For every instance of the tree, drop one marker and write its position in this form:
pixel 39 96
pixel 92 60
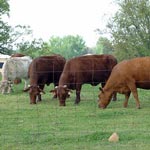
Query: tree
pixel 104 46
pixel 4 27
pixel 10 36
pixel 130 29
pixel 4 7
pixel 31 48
pixel 68 46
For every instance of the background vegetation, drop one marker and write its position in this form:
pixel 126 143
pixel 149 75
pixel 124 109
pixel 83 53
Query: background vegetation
pixel 128 31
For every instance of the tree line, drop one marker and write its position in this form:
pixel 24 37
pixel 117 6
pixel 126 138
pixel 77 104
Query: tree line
pixel 129 30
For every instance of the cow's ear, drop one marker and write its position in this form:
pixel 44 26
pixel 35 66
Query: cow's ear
pixel 101 89
pixel 26 90
pixel 65 86
pixel 41 91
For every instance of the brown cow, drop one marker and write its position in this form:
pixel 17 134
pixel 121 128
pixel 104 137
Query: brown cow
pixel 44 70
pixel 89 69
pixel 17 55
pixel 125 78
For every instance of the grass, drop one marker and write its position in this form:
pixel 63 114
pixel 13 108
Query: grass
pixel 46 126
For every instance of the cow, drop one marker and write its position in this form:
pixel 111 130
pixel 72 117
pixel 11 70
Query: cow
pixel 125 78
pixel 44 70
pixel 15 67
pixel 17 55
pixel 17 80
pixel 87 69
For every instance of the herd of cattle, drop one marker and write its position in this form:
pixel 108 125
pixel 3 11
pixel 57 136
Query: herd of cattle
pixel 66 75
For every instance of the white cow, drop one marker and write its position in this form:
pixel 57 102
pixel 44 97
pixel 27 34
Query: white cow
pixel 15 67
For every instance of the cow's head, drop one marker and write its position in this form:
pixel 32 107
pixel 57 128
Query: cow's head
pixel 34 91
pixel 104 98
pixel 62 93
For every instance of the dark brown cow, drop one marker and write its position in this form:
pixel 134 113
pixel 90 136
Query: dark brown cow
pixel 44 70
pixel 17 55
pixel 125 78
pixel 89 69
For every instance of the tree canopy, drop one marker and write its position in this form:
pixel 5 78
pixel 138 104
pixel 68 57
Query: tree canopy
pixel 103 46
pixel 4 27
pixel 4 7
pixel 130 29
pixel 68 46
pixel 8 34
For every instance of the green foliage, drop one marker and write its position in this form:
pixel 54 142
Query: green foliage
pixel 31 48
pixel 68 46
pixel 4 38
pixel 9 35
pixel 4 28
pixel 130 29
pixel 48 126
pixel 4 7
pixel 104 46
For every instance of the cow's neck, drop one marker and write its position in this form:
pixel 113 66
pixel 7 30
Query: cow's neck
pixel 109 88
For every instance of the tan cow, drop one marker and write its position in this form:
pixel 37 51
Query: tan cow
pixel 125 78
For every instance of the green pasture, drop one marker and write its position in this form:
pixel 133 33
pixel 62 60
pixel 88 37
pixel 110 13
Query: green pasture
pixel 47 126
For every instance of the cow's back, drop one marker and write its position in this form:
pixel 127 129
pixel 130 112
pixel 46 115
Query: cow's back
pixel 16 67
pixel 17 55
pixel 46 69
pixel 136 69
pixel 91 69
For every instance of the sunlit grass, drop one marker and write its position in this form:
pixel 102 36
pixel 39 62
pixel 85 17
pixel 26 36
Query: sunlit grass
pixel 85 127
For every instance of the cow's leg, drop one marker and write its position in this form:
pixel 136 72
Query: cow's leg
pixel 114 97
pixel 103 84
pixel 9 89
pixel 39 98
pixel 133 89
pixel 78 89
pixel 55 93
pixel 127 95
pixel 25 83
pixel 4 89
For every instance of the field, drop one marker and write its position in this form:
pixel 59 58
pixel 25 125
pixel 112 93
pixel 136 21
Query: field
pixel 46 126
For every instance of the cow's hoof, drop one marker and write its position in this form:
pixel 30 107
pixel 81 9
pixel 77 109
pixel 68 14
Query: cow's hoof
pixel 76 103
pixel 62 104
pixel 138 107
pixel 32 103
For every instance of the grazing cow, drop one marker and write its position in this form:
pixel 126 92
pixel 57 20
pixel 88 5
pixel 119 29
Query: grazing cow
pixel 17 55
pixel 125 78
pixel 15 67
pixel 89 69
pixel 44 70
